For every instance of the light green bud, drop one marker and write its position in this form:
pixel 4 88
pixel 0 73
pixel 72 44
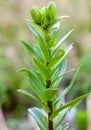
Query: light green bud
pixel 48 15
pixel 52 9
pixel 44 20
pixel 36 14
pixel 43 11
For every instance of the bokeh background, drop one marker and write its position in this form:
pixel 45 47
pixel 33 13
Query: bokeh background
pixel 13 105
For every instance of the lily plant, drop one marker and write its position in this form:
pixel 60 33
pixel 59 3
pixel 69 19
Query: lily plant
pixel 49 69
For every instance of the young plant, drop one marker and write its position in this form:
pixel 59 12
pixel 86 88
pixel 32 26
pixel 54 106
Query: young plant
pixel 49 59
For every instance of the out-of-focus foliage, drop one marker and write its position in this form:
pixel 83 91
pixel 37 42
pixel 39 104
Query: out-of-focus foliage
pixel 18 124
pixel 81 120
pixel 11 58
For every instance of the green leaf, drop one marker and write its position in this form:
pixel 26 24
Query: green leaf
pixel 39 28
pixel 39 78
pixel 67 50
pixel 69 105
pixel 61 69
pixel 35 85
pixel 54 34
pixel 60 77
pixel 50 93
pixel 61 41
pixel 39 117
pixel 30 50
pixel 65 127
pixel 56 20
pixel 41 39
pixel 28 94
pixel 43 48
pixel 38 52
pixel 35 98
pixel 60 118
pixel 66 90
pixel 43 70
pixel 33 51
pixel 37 88
pixel 33 29
pixel 56 60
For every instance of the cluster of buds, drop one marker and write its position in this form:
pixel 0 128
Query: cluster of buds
pixel 44 16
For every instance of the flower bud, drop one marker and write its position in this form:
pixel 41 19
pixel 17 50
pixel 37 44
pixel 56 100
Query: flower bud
pixel 52 9
pixel 44 20
pixel 36 14
pixel 48 15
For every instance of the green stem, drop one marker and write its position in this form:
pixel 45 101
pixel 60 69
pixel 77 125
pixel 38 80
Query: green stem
pixel 48 83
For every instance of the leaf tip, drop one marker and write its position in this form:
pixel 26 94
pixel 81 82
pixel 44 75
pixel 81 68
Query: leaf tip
pixel 22 69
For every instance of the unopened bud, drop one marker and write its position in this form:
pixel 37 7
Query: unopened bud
pixel 36 14
pixel 44 20
pixel 52 9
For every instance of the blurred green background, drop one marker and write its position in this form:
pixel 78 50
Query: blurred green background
pixel 12 56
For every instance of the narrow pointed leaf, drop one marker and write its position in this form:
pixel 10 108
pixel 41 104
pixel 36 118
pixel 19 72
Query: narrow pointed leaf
pixel 65 127
pixel 68 105
pixel 38 52
pixel 35 98
pixel 60 118
pixel 61 41
pixel 43 48
pixel 35 85
pixel 56 60
pixel 66 90
pixel 61 69
pixel 33 29
pixel 28 94
pixel 56 20
pixel 39 117
pixel 41 39
pixel 37 88
pixel 43 70
pixel 31 51
pixel 67 50
pixel 39 78
pixel 60 77
pixel 54 34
